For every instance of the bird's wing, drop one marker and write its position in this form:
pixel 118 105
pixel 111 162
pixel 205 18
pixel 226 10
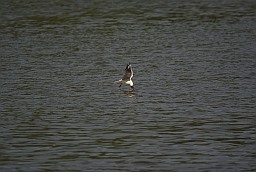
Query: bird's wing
pixel 128 73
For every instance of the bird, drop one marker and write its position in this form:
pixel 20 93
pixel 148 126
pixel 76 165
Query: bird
pixel 127 78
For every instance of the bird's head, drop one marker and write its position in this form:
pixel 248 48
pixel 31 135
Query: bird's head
pixel 128 66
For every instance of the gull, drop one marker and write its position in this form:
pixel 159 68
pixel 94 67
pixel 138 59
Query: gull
pixel 127 78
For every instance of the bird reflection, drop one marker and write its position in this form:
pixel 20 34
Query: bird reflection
pixel 129 93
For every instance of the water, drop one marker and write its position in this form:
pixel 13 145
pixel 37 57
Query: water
pixel 194 74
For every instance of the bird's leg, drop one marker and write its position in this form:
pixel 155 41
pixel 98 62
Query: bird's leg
pixel 120 85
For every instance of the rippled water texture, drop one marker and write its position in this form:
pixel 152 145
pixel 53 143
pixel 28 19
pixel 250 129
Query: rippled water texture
pixel 194 73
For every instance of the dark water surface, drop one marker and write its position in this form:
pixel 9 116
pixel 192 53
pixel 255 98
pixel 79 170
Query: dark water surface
pixel 194 73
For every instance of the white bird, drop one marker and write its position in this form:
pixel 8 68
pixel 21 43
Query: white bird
pixel 127 78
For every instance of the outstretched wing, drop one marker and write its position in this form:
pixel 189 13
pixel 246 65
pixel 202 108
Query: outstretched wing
pixel 128 73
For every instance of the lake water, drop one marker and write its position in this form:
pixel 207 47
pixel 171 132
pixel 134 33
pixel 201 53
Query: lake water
pixel 193 108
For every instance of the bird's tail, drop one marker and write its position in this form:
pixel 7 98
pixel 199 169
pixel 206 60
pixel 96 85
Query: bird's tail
pixel 119 81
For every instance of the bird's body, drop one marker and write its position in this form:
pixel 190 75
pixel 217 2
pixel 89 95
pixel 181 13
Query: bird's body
pixel 127 78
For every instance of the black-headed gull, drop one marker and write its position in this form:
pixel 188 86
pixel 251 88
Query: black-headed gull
pixel 127 78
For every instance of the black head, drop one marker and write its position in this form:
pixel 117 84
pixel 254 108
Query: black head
pixel 128 66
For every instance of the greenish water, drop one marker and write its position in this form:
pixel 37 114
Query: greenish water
pixel 194 74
